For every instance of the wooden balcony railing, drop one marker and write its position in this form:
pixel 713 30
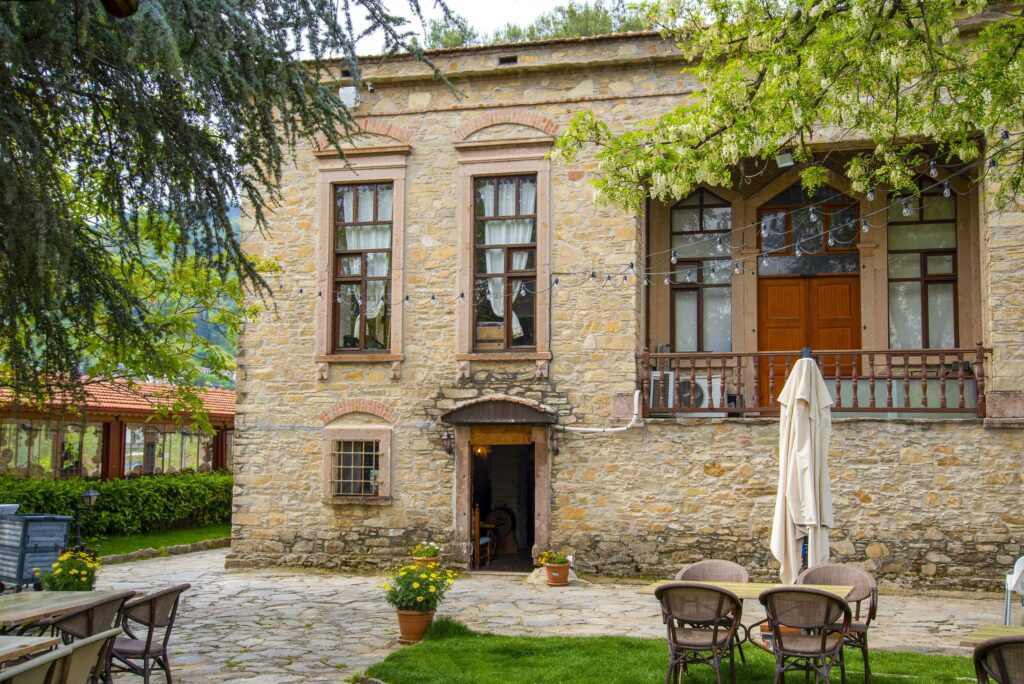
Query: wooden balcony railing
pixel 891 382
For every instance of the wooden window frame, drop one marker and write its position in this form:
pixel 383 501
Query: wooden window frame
pixel 362 279
pixel 502 158
pixel 825 218
pixel 511 278
pixel 372 165
pixel 382 435
pixel 698 285
pixel 923 278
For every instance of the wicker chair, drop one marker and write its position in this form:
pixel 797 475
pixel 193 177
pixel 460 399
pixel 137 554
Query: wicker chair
pixel 83 662
pixel 701 623
pixel 715 570
pixel 865 590
pixel 155 612
pixel 1000 660
pixel 817 623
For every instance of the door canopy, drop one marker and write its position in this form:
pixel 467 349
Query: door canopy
pixel 501 410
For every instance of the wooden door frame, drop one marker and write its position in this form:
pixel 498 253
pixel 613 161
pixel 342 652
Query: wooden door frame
pixel 462 541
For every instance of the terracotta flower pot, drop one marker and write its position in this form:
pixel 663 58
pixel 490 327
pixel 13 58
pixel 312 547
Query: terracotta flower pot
pixel 426 561
pixel 412 625
pixel 558 575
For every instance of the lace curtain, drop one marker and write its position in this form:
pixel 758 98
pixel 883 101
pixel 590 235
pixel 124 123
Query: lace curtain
pixel 372 237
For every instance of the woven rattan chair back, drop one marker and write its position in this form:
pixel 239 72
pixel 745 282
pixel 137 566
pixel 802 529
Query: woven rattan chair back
pixel 806 610
pixel 1000 660
pixel 94 618
pixel 156 610
pixel 713 570
pixel 865 589
pixel 698 604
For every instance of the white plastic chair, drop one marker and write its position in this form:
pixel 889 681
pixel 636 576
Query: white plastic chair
pixel 1014 583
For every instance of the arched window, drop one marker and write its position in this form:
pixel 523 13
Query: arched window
pixel 701 290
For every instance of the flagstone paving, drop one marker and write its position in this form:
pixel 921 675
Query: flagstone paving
pixel 278 626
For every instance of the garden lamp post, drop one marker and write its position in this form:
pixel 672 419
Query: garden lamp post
pixel 86 500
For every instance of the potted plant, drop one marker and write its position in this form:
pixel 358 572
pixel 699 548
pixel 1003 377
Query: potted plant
pixel 73 571
pixel 415 591
pixel 425 553
pixel 556 564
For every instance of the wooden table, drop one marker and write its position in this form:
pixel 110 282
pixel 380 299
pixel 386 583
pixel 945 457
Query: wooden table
pixel 986 632
pixel 12 647
pixel 752 590
pixel 32 606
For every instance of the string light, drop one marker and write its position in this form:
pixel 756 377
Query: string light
pixel 737 268
pixel 668 281
pixel 554 282
pixel 871 195
pixel 864 225
pixel 1005 135
pixel 906 207
pixel 831 239
pixel 992 163
pixel 933 169
pixel 764 229
pixel 799 252
pixel 946 190
pixel 719 247
pixel 675 258
pixel 712 268
pixel 764 259
pixel 647 281
pixel 813 215
pixel 689 275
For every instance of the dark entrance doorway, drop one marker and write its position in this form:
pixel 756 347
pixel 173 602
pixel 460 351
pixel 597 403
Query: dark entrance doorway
pixel 504 487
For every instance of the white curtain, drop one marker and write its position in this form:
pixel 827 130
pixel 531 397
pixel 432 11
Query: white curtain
pixel 372 237
pixel 509 232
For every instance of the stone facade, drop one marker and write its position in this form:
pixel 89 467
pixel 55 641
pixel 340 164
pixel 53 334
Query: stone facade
pixel 930 503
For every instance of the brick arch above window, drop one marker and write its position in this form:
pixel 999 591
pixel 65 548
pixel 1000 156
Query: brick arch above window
pixel 373 407
pixel 385 128
pixel 506 116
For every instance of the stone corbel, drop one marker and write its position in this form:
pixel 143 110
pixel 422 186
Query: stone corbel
pixel 396 370
pixel 322 372
pixel 465 371
pixel 541 371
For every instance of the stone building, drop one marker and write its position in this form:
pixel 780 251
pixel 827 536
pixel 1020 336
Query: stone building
pixel 454 305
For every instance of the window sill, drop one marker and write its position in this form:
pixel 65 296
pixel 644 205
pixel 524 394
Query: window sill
pixel 359 357
pixel 504 356
pixel 357 500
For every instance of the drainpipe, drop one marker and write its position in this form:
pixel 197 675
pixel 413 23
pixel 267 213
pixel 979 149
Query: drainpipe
pixel 622 428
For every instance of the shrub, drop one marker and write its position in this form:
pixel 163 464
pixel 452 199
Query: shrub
pixel 552 557
pixel 418 587
pixel 73 571
pixel 151 503
pixel 426 550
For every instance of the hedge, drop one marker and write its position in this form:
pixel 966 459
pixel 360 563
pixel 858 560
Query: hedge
pixel 125 507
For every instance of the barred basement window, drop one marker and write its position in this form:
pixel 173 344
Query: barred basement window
pixel 356 469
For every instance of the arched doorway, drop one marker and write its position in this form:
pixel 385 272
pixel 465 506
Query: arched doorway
pixel 502 466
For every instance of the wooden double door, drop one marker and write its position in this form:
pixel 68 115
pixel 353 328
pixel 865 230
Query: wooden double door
pixel 821 312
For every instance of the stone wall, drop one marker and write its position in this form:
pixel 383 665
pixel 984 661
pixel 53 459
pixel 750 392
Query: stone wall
pixel 932 503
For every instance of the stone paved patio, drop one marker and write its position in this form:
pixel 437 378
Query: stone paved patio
pixel 279 626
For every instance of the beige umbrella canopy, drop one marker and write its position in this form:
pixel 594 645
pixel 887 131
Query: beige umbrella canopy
pixel 803 504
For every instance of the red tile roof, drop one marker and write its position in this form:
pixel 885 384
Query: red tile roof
pixel 143 398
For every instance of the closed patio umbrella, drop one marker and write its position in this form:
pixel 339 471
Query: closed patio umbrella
pixel 803 504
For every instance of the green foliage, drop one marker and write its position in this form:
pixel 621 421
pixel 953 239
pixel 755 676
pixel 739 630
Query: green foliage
pixel 108 546
pixel 418 587
pixel 451 32
pixel 468 659
pixel 426 550
pixel 73 571
pixel 124 146
pixel 552 557
pixel 445 627
pixel 896 76
pixel 130 506
pixel 573 20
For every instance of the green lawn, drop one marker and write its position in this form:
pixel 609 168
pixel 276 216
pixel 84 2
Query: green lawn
pixel 109 546
pixel 452 654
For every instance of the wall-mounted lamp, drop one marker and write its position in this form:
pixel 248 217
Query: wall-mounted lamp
pixel 448 442
pixel 553 442
pixel 784 159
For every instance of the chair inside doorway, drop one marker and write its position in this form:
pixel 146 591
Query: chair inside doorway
pixel 503 491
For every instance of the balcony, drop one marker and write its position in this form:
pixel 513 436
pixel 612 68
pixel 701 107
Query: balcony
pixel 886 383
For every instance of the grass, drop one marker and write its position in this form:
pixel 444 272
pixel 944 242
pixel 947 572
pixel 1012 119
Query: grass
pixel 453 654
pixel 108 546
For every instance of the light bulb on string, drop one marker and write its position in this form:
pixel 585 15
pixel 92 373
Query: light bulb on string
pixel 764 229
pixel 712 269
pixel 737 268
pixel 647 281
pixel 625 279
pixel 992 163
pixel 1004 134
pixel 906 207
pixel 871 195
pixel 689 274
pixel 608 279
pixel 719 247
pixel 593 275
pixel 675 258
pixel 799 252
pixel 831 239
pixel 933 169
pixel 764 259
pixel 668 281
pixel 864 225
pixel 812 214
pixel 946 190
pixel 554 282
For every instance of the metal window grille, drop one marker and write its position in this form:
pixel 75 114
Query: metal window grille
pixel 356 468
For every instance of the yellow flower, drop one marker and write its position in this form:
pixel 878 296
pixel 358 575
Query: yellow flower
pixel 402 574
pixel 415 585
pixel 55 565
pixel 419 598
pixel 57 571
pixel 72 571
pixel 423 577
pixel 432 589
